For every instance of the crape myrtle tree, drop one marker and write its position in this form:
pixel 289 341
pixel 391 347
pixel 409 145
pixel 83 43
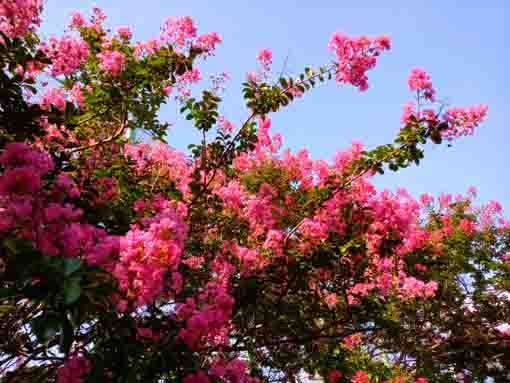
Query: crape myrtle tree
pixel 124 261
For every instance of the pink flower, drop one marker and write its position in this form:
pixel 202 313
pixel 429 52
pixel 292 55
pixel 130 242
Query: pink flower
pixel 152 46
pixel 252 76
pixel 225 125
pixel 265 58
pixel 426 199
pixel 112 62
pixel 331 299
pixel 360 377
pixel 334 375
pixel 382 42
pixel 208 42
pixel 198 377
pixel 352 340
pixel 194 262
pixel 185 80
pixel 231 195
pixel 407 112
pixel 463 121
pixel 98 17
pixel 419 81
pixel 355 56
pixel 467 226
pixel 314 230
pixel 124 32
pixel 122 305
pixel 66 183
pixel 77 95
pixel 20 71
pixel 21 155
pixel 73 370
pixel 445 200
pixel 145 332
pixel 53 97
pixel 472 191
pixel 17 17
pixel 20 181
pixel 77 20
pixel 178 31
pixel 148 252
pixel 189 77
pixel 414 288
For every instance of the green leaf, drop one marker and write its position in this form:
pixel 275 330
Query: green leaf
pixel 71 265
pixel 46 326
pixel 72 290
pixel 6 292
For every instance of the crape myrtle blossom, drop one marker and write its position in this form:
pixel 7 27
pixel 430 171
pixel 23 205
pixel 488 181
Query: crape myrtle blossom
pixel 66 54
pixel 419 81
pixel 265 58
pixel 54 97
pixel 178 31
pixel 17 17
pixel 112 62
pixel 150 250
pixel 124 32
pixel 73 370
pixel 181 33
pixel 459 121
pixel 463 121
pixel 208 42
pixel 77 20
pixel 355 56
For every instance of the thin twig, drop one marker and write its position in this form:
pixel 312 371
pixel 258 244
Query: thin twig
pixel 117 134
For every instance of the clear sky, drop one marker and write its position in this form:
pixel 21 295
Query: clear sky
pixel 464 45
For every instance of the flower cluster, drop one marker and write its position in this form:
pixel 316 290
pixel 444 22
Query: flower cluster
pixel 23 169
pixel 207 317
pixel 231 371
pixel 360 377
pixel 463 121
pixel 419 81
pixel 124 33
pixel 355 56
pixel 66 54
pixel 225 125
pixel 40 215
pixel 53 97
pixel 17 17
pixel 413 288
pixel 208 41
pixel 178 31
pixel 146 48
pixel 73 370
pixel 111 62
pixel 185 80
pixel 149 252
pixel 459 121
pixel 265 58
pixel 163 161
pixel 77 20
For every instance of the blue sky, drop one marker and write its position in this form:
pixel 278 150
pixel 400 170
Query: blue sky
pixel 462 44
